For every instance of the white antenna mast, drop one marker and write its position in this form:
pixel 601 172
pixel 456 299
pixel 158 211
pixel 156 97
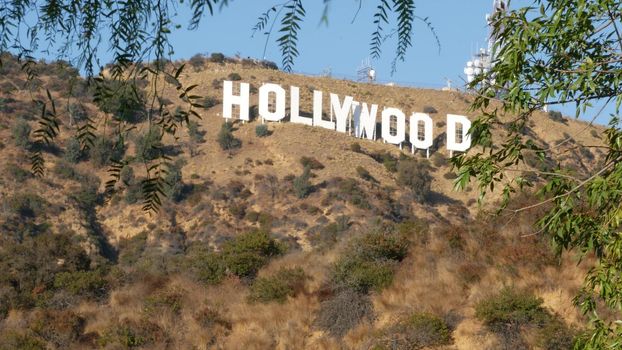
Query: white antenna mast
pixel 366 71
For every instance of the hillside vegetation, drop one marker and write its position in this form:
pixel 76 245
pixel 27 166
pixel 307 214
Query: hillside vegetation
pixel 272 236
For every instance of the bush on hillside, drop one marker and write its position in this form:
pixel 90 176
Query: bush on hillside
pixel 261 130
pixel 149 145
pixel 197 62
pixel 247 253
pixel 356 147
pixel 217 57
pixel 302 185
pixel 511 310
pixel 429 110
pixel 77 112
pixel 311 163
pixel 420 330
pixel 17 173
pixel 415 176
pixel 369 261
pixel 234 77
pixel 510 307
pixel 286 282
pixel 196 136
pixel 27 204
pixel 125 101
pixel 209 102
pixel 73 151
pixel 556 116
pixel 364 174
pixel 21 133
pixel 226 140
pixel 60 328
pixel 103 150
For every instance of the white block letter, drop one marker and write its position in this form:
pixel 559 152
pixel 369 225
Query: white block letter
pixel 264 102
pixel 341 110
pixel 428 138
pixel 228 100
pixel 400 132
pixel 365 120
pixel 317 112
pixel 294 101
pixel 452 126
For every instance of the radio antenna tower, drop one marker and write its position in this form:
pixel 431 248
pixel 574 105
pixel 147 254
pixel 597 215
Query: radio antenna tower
pixel 366 71
pixel 483 61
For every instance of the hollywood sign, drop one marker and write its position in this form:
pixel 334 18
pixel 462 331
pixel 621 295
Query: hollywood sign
pixel 347 116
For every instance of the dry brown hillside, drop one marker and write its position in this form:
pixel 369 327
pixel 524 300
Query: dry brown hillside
pixel 248 253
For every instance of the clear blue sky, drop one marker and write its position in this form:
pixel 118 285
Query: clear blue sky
pixel 342 45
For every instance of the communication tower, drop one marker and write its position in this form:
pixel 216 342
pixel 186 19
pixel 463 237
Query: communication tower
pixel 483 60
pixel 366 71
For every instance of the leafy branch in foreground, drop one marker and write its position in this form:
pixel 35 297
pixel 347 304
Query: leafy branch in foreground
pixel 559 51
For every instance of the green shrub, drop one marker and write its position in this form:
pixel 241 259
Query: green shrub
pixel 149 145
pixel 27 204
pixel 234 76
pixel 363 275
pixel 247 253
pixel 17 173
pixel 103 150
pixel 21 133
pixel 163 300
pixel 389 162
pixel 420 330
pixel 350 191
pixel 261 130
pixel 127 175
pixel 429 110
pixel 208 267
pixel 287 282
pixel 555 335
pixel 364 174
pixel 133 193
pixel 209 102
pixel 77 112
pixel 197 61
pixel 73 151
pixel 175 188
pixel 122 99
pixel 415 176
pixel 195 135
pixel 302 185
pixel 356 147
pixel 60 328
pixel 439 160
pixel 130 334
pixel 131 249
pixel 369 262
pixel 311 163
pixel 88 284
pixel 594 134
pixel 381 246
pixel 556 116
pixel 226 140
pixel 217 57
pixel 13 340
pixel 510 307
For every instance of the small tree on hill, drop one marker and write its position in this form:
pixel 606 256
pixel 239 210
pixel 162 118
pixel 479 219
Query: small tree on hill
pixel 226 140
pixel 415 176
